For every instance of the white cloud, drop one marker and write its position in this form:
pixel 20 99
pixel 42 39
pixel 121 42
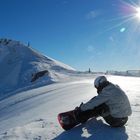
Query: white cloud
pixel 111 38
pixel 90 48
pixel 99 53
pixel 65 2
pixel 92 14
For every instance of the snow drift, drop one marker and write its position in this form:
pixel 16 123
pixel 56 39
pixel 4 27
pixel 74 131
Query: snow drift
pixel 21 66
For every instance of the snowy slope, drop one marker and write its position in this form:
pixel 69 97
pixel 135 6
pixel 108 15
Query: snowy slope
pixel 21 66
pixel 32 115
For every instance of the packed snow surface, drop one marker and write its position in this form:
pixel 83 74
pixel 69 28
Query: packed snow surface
pixel 32 114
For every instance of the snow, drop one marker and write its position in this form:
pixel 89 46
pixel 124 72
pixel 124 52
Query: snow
pixel 19 63
pixel 28 110
pixel 32 114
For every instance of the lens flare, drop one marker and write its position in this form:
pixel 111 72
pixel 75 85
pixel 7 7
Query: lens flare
pixel 129 16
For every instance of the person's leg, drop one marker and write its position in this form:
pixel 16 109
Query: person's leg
pixel 97 111
pixel 100 111
pixel 115 122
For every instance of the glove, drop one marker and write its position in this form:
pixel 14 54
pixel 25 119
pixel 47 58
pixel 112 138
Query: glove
pixel 79 115
pixel 78 110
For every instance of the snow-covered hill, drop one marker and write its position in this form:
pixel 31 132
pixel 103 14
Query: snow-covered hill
pixel 32 115
pixel 23 67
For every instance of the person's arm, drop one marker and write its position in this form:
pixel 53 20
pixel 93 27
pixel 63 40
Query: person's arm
pixel 94 102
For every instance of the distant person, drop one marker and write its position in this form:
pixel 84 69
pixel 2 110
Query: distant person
pixel 111 103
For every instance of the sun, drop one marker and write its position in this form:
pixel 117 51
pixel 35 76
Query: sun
pixel 138 13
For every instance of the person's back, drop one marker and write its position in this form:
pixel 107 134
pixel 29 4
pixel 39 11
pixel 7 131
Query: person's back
pixel 118 102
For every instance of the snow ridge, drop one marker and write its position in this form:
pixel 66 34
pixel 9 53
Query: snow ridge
pixel 22 66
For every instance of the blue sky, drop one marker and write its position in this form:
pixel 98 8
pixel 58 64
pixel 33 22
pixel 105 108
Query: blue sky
pixel 97 34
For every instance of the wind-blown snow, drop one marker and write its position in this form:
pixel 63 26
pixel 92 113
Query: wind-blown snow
pixel 32 115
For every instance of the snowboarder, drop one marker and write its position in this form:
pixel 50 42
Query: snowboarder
pixel 111 103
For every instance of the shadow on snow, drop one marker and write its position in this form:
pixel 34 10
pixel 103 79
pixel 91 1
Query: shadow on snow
pixel 94 129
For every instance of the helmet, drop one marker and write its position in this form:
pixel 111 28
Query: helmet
pixel 99 80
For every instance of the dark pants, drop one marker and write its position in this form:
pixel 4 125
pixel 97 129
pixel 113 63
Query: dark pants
pixel 99 111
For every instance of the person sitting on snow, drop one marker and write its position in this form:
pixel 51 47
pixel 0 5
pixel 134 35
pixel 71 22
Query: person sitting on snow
pixel 111 103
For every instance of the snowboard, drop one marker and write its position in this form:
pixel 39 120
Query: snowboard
pixel 67 120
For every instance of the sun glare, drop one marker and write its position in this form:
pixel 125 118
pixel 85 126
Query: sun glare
pixel 138 13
